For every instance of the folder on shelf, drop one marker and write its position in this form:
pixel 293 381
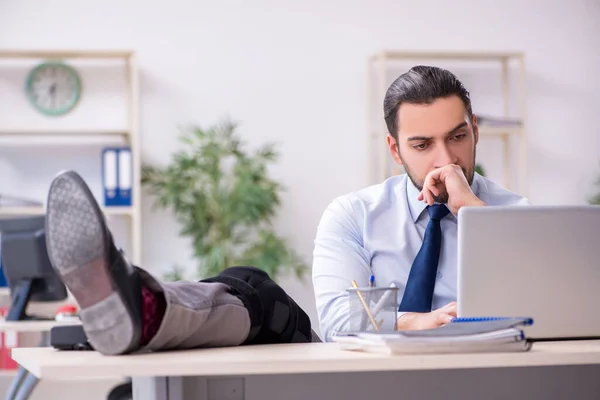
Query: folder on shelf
pixel 117 176
pixel 505 335
pixel 125 176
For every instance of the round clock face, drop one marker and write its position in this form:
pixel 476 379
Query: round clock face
pixel 53 88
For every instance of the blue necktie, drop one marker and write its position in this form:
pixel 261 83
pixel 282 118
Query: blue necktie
pixel 421 279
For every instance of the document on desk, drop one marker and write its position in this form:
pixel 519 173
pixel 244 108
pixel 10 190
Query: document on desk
pixel 464 337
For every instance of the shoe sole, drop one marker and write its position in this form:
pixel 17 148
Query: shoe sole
pixel 77 239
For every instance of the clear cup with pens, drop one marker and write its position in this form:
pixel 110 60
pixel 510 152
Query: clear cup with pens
pixel 372 309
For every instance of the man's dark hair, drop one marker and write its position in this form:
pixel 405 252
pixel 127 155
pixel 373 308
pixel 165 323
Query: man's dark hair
pixel 422 85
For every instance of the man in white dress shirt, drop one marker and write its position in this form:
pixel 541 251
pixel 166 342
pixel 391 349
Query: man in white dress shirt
pixel 381 230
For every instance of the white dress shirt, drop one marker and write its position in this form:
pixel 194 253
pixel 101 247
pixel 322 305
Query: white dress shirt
pixel 379 231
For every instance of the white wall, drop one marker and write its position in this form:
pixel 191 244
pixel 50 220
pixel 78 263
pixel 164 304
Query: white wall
pixel 295 72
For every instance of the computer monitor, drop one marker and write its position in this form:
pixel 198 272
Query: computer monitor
pixel 26 265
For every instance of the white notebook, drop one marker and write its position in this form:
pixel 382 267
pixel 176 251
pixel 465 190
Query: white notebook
pixel 463 337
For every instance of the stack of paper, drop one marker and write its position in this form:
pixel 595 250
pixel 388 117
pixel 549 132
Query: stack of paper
pixel 460 337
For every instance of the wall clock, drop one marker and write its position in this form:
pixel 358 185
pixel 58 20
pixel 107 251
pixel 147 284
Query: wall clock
pixel 53 88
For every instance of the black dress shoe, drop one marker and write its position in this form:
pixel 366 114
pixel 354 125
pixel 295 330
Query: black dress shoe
pixel 81 249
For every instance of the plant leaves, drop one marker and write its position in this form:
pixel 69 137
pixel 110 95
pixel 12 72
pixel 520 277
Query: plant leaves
pixel 224 200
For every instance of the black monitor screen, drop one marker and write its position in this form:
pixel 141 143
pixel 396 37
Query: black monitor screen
pixel 25 261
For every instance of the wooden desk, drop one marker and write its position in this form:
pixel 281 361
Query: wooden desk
pixel 41 327
pixel 159 376
pixel 24 383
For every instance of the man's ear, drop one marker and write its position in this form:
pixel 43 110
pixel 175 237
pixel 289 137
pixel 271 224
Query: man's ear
pixel 393 148
pixel 475 129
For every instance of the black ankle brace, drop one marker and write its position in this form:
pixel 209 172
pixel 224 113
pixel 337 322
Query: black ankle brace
pixel 275 317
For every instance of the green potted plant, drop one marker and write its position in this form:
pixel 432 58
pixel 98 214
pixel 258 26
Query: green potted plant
pixel 595 199
pixel 479 169
pixel 224 200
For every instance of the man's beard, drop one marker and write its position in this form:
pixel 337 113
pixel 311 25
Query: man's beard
pixel 443 196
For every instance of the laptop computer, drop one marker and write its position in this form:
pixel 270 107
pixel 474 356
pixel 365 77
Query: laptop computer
pixel 532 261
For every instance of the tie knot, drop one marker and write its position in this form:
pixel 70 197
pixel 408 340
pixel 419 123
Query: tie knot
pixel 437 211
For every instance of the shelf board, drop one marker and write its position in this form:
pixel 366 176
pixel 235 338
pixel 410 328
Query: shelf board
pixel 109 211
pixel 483 131
pixel 70 132
pixel 65 53
pixel 475 56
pixel 500 130
pixel 34 325
pixel 13 141
pixel 70 137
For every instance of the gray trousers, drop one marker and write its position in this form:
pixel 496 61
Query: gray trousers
pixel 198 314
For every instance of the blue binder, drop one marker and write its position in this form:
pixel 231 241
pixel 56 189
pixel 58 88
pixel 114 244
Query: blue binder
pixel 3 282
pixel 117 176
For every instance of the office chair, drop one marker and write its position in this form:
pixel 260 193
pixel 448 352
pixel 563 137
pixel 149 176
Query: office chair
pixel 123 391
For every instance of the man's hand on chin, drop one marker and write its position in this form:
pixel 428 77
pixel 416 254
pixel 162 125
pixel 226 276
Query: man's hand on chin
pixel 453 179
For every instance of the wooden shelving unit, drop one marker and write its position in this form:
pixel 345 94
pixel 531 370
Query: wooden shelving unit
pixel 129 136
pixel 379 80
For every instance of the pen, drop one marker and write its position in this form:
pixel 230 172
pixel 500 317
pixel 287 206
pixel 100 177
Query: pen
pixel 372 281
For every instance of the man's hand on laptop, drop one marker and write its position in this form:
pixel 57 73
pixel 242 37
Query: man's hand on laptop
pixel 449 185
pixel 434 319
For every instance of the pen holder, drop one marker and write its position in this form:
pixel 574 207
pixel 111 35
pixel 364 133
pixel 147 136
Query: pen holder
pixel 373 309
